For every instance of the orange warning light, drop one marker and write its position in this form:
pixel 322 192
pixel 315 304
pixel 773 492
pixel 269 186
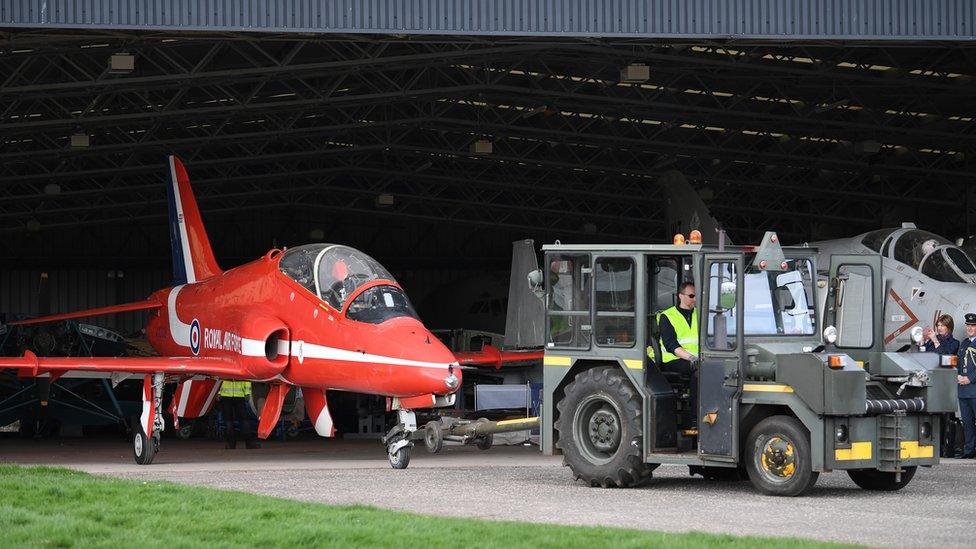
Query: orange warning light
pixel 679 239
pixel 694 237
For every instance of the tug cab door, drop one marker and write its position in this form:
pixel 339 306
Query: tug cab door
pixel 855 305
pixel 721 351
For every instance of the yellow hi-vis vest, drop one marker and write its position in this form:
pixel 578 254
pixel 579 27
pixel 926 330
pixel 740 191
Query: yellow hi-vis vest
pixel 239 389
pixel 687 335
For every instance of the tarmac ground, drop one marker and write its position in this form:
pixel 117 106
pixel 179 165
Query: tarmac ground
pixel 518 483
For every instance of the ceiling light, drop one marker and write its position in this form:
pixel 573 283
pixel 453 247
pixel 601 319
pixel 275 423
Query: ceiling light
pixel 80 141
pixel 635 72
pixel 481 146
pixel 121 63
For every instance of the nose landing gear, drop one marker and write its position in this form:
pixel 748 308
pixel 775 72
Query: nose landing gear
pixel 397 441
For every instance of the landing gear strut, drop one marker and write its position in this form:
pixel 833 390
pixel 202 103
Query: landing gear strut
pixel 397 441
pixel 149 426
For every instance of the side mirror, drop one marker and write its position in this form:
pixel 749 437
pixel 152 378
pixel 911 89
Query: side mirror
pixel 727 295
pixel 537 283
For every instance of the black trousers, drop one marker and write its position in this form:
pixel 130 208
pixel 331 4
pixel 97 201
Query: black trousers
pixel 689 373
pixel 235 409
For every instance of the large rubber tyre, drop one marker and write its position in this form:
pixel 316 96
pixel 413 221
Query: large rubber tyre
pixel 875 480
pixel 778 457
pixel 600 427
pixel 143 448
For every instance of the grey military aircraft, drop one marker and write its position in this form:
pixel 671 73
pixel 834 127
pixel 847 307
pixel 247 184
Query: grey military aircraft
pixel 926 274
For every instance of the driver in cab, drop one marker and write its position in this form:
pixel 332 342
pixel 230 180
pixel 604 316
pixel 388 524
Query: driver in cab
pixel 679 338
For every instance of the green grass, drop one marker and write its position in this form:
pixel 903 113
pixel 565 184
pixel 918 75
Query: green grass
pixel 46 507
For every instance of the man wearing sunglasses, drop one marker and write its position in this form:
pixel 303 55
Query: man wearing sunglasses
pixel 678 326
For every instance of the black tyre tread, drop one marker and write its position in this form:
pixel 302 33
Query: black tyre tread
pixel 633 472
pixel 879 481
pixel 807 476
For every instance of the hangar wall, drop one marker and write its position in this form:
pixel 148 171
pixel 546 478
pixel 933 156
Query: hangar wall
pixel 710 19
pixel 75 289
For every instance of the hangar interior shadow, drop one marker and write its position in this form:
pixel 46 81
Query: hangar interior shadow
pixel 434 154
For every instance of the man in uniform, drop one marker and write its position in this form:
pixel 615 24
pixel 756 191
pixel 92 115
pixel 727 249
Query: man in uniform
pixel 679 339
pixel 966 378
pixel 233 396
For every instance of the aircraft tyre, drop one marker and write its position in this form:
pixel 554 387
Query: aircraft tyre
pixel 143 448
pixel 433 439
pixel 484 442
pixel 880 481
pixel 599 429
pixel 400 458
pixel 778 457
pixel 185 432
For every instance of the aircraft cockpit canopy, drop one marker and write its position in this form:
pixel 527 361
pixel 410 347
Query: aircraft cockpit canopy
pixel 334 273
pixel 932 255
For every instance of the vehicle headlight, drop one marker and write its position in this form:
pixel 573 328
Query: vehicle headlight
pixel 830 334
pixel 841 434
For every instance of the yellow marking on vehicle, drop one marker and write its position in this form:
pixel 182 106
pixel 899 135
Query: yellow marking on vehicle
pixel 911 449
pixel 634 364
pixel 858 450
pixel 767 388
pixel 550 360
pixel 517 421
pixel 860 364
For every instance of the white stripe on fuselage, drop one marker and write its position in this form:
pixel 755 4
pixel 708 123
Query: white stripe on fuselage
pixel 180 332
pixel 310 350
pixel 191 276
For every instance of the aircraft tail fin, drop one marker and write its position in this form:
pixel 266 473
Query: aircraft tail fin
pixel 193 259
pixel 525 320
pixel 686 210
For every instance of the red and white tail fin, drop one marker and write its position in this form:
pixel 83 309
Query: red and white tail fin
pixel 193 259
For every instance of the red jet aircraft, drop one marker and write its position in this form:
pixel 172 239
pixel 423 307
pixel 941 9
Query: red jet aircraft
pixel 319 316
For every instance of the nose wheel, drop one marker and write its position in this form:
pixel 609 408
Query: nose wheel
pixel 397 441
pixel 400 457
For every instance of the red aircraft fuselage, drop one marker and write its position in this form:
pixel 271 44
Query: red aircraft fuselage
pixel 279 330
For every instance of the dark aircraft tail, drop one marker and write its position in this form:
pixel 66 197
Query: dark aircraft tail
pixel 686 210
pixel 193 260
pixel 524 325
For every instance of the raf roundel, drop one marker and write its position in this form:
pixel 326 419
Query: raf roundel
pixel 195 336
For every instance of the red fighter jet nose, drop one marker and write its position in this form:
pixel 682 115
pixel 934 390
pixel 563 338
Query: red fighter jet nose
pixel 433 366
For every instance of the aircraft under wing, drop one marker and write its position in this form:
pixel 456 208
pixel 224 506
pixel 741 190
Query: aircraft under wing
pixel 490 356
pixel 30 365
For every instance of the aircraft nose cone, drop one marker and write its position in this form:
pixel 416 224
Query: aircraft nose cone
pixel 438 367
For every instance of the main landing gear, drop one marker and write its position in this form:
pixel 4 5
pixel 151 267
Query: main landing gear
pixel 397 441
pixel 148 426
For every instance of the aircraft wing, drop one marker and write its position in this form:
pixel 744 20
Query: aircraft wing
pixel 30 365
pixel 491 356
pixel 123 308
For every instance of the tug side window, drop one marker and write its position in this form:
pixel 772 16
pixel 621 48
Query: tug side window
pixel 722 309
pixel 615 314
pixel 568 301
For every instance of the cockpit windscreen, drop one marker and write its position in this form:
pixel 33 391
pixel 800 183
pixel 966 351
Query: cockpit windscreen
pixel 913 246
pixel 330 271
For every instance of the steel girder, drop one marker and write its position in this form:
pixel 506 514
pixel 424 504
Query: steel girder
pixel 811 141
